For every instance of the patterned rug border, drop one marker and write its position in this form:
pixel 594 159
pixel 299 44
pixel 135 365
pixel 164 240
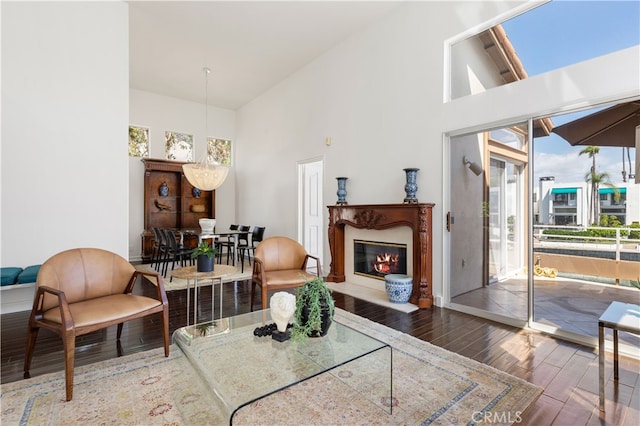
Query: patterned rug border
pixel 409 345
pixel 185 398
pixel 373 328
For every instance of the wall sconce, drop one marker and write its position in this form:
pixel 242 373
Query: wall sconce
pixel 474 167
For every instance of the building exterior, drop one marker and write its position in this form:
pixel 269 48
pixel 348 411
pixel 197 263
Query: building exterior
pixel 568 203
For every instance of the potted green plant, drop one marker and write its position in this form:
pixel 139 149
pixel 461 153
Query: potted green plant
pixel 204 255
pixel 315 309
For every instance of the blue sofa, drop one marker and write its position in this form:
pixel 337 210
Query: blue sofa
pixel 18 286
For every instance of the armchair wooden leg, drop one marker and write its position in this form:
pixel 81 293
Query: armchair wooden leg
pixel 69 362
pixel 31 344
pixel 165 329
pixel 264 297
pixel 119 332
pixel 253 291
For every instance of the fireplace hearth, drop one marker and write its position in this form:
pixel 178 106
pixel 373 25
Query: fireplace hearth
pixel 375 259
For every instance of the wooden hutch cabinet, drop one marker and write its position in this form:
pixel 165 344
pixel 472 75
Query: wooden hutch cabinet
pixel 170 201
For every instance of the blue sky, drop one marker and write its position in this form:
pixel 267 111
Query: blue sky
pixel 565 32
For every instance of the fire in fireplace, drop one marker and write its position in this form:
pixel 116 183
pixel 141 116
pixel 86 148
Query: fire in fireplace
pixel 375 259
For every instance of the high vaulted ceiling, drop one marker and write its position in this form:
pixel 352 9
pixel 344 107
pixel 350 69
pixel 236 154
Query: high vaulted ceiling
pixel 249 46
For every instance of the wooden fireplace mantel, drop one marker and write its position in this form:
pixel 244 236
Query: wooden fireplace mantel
pixel 384 216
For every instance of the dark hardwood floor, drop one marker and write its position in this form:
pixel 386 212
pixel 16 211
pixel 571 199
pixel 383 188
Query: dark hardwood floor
pixel 568 372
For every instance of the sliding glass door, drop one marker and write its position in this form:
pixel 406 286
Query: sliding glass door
pixel 583 241
pixel 487 223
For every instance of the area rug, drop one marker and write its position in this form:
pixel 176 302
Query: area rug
pixel 179 284
pixel 430 386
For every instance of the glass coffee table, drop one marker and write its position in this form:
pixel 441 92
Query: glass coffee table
pixel 240 368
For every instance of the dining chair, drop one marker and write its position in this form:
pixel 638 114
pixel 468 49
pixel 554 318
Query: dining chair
pixel 176 252
pixel 243 240
pixel 163 249
pixel 256 237
pixel 228 243
pixel 156 250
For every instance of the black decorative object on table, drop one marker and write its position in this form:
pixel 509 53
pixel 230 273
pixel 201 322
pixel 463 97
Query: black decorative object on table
pixel 269 330
pixel 315 308
pixel 196 192
pixel 279 336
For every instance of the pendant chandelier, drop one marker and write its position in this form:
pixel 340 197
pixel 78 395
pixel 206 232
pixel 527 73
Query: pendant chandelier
pixel 206 175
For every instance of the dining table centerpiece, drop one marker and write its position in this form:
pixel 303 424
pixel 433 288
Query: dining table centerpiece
pixel 205 257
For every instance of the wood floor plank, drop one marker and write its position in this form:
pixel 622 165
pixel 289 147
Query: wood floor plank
pixel 542 412
pixel 542 375
pixel 578 409
pixel 566 381
pixel 632 416
pixel 561 354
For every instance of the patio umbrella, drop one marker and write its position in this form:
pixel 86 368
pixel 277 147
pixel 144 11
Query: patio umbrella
pixel 613 126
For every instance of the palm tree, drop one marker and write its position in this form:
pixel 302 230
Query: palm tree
pixel 624 168
pixel 628 159
pixel 597 179
pixel 591 151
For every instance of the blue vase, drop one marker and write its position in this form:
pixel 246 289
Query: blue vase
pixel 411 187
pixel 164 189
pixel 196 192
pixel 342 191
pixel 398 287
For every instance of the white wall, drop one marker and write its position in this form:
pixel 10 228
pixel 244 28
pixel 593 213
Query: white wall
pixel 65 111
pixel 159 114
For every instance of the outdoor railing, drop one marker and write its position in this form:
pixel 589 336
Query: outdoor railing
pixel 622 240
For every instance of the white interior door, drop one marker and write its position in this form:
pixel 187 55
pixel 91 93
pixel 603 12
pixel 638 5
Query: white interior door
pixel 311 206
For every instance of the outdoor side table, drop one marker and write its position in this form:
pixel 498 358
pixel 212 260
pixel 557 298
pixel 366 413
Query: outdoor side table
pixel 618 317
pixel 190 273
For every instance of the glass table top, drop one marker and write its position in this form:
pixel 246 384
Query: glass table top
pixel 240 367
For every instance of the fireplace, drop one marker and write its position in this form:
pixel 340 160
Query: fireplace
pixel 385 216
pixel 375 259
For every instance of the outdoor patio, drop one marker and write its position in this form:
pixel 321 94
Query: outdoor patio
pixel 570 304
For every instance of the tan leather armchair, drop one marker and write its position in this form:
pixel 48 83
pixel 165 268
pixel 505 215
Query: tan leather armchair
pixel 280 263
pixel 82 290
